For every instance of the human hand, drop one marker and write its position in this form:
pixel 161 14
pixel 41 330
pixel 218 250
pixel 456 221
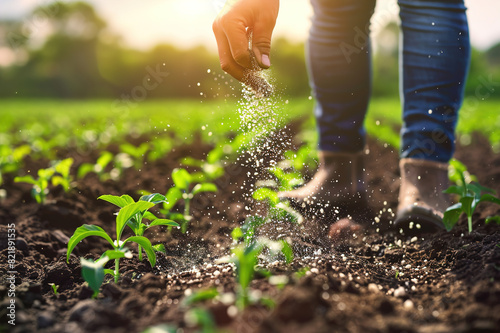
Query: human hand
pixel 238 20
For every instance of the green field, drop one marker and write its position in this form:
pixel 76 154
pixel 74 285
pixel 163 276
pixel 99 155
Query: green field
pixel 57 120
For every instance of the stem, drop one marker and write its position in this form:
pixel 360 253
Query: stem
pixel 469 220
pixel 139 248
pixel 117 271
pixel 187 204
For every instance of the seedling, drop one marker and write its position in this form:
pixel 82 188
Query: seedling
pixel 11 158
pixel 126 213
pixel 470 195
pixel 181 190
pixel 136 223
pixel 137 153
pixel 58 173
pixel 54 287
pixel 301 159
pixel 494 219
pixel 245 257
pixel 278 210
pixel 99 168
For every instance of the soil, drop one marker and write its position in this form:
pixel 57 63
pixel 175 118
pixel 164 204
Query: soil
pixel 376 281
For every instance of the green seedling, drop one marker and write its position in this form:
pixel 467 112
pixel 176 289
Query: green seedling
pixel 470 195
pixel 278 210
pixel 40 188
pixel 182 191
pixel 58 173
pixel 162 328
pixel 54 287
pixel 201 318
pixel 159 148
pixel 458 171
pixel 98 168
pixel 301 159
pixel 245 257
pixel 137 153
pixel 136 222
pixel 126 213
pixel 62 176
pixel 209 171
pixel 11 159
pixel 200 296
pixel 493 219
pixel 93 272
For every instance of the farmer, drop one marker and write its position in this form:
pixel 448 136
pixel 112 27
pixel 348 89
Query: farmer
pixel 435 53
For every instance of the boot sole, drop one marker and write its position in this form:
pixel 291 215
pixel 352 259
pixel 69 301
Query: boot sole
pixel 410 218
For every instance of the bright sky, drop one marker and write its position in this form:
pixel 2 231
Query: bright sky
pixel 188 22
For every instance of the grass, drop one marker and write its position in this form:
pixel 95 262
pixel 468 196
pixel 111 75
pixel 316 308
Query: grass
pixel 213 119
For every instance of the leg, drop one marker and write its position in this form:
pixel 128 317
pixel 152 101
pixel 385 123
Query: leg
pixel 338 60
pixel 435 58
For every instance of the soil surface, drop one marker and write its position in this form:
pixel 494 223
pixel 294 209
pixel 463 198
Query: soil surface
pixel 376 281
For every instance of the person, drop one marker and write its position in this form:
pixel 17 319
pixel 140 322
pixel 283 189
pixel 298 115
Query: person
pixel 434 60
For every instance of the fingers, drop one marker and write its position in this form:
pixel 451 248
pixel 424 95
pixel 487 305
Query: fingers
pixel 227 61
pixel 261 42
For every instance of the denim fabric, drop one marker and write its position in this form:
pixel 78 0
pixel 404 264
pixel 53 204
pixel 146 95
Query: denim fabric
pixel 434 58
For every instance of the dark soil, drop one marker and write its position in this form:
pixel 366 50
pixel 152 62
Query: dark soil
pixel 374 282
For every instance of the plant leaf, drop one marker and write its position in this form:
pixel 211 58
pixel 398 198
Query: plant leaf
pixel 181 178
pixel 146 245
pixel 173 195
pixel 200 296
pixel 467 205
pixel 115 254
pixel 489 198
pixel 451 216
pixel 120 201
pixel 166 222
pixel 25 179
pixel 266 193
pixel 160 248
pixel 155 198
pixel 454 189
pixel 495 219
pixel 93 273
pixel 287 251
pixel 84 231
pixel 204 187
pixel 148 215
pixel 127 212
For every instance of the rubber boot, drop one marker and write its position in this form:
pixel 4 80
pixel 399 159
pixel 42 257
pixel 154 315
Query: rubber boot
pixel 338 181
pixel 421 198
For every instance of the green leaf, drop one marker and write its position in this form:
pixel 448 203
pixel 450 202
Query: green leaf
pixel 181 178
pixel 455 189
pixel 174 194
pixel 495 219
pixel 467 205
pixel 120 201
pixel 160 248
pixel 109 271
pixel 104 160
pixel 146 245
pixel 236 234
pixel 204 187
pixel 93 273
pixel 189 161
pixel 26 179
pixel 127 212
pixel 166 222
pixel 115 254
pixel 489 198
pixel 84 169
pixel 287 251
pixel 451 216
pixel 85 231
pixel 155 198
pixel 200 296
pixel 266 193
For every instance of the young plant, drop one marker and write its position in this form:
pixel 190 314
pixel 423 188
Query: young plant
pixel 126 213
pixel 245 257
pixel 470 195
pixel 11 158
pixel 99 167
pixel 301 159
pixel 137 153
pixel 182 191
pixel 54 287
pixel 278 210
pixel 136 222
pixel 58 173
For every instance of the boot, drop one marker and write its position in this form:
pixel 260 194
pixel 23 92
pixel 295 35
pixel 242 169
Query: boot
pixel 338 181
pixel 421 198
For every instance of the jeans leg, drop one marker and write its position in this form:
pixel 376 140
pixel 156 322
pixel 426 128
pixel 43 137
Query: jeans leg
pixel 338 60
pixel 434 60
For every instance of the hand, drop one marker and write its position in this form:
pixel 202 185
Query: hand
pixel 232 29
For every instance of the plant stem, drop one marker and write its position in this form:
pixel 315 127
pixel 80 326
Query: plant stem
pixel 117 271
pixel 469 220
pixel 139 248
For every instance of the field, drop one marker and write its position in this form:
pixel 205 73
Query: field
pixel 204 279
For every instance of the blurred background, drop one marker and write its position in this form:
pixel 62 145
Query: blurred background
pixel 106 49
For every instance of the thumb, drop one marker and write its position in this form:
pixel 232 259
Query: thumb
pixel 261 42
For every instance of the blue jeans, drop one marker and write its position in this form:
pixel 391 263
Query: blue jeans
pixel 434 60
